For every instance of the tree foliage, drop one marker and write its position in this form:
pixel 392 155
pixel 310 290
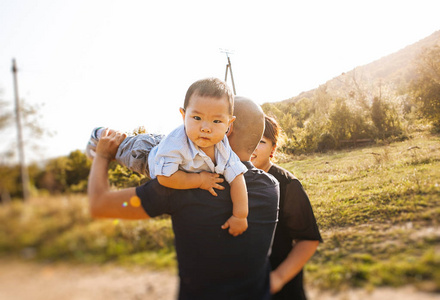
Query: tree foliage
pixel 33 131
pixel 340 120
pixel 122 177
pixel 5 116
pixel 335 118
pixel 65 174
pixel 426 87
pixel 385 118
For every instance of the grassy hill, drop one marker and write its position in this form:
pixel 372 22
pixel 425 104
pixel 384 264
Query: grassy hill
pixel 378 209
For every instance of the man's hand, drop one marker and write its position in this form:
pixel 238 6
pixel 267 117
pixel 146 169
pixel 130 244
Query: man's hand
pixel 236 225
pixel 210 181
pixel 108 143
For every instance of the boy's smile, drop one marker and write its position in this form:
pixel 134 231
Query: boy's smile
pixel 206 120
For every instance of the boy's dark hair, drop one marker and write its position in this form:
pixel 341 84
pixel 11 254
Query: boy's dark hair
pixel 210 87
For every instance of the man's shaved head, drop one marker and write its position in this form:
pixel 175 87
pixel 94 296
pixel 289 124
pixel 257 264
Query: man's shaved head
pixel 247 129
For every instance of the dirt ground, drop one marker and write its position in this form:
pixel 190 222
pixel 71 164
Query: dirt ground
pixel 20 280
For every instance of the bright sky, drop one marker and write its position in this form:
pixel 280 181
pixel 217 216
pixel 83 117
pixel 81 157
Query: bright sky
pixel 124 64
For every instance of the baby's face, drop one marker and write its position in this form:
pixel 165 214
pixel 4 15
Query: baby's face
pixel 206 120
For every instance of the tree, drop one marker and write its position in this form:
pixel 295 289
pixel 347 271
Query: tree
pixel 303 110
pixel 385 118
pixel 322 99
pixel 30 123
pixel 122 177
pixel 65 174
pixel 340 121
pixel 288 124
pixel 426 87
pixel 77 171
pixel 273 110
pixel 5 117
pixel 53 178
pixel 9 182
pixel 378 114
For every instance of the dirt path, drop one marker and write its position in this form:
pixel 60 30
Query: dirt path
pixel 31 281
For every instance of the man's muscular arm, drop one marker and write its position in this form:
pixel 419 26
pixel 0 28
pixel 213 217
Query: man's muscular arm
pixel 104 203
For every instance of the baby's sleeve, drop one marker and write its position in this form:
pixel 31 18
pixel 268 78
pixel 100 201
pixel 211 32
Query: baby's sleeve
pixel 166 158
pixel 233 167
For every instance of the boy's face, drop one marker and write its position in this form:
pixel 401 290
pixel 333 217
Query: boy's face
pixel 206 120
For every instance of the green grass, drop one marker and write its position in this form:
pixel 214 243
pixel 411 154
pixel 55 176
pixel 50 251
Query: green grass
pixel 378 209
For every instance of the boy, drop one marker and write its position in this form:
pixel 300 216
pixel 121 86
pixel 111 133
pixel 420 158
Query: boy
pixel 194 154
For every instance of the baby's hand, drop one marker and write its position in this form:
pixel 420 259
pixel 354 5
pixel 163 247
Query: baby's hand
pixel 210 181
pixel 236 225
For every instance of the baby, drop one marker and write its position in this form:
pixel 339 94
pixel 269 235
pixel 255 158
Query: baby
pixel 194 154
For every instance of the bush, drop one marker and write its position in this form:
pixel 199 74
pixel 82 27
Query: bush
pixel 326 142
pixel 60 228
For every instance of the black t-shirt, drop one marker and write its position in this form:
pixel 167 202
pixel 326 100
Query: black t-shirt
pixel 296 222
pixel 212 263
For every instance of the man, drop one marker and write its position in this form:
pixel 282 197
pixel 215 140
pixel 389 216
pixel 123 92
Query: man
pixel 212 263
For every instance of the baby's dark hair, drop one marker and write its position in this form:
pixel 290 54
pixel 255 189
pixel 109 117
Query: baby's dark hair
pixel 210 87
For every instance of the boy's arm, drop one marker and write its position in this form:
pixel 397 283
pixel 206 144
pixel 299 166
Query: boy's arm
pixel 105 203
pixel 237 223
pixel 181 180
pixel 239 197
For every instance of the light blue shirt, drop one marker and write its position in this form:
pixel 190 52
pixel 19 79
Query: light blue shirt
pixel 177 152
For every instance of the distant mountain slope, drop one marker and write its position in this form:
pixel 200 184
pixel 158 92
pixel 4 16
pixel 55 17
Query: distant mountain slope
pixel 396 69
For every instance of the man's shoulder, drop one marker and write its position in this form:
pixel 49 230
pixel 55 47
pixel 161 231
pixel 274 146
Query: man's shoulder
pixel 259 178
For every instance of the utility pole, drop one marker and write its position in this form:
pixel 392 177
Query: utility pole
pixel 229 67
pixel 24 171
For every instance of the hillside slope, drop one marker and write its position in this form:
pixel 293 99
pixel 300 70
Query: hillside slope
pixel 396 69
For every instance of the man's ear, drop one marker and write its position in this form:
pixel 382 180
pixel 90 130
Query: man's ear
pixel 182 112
pixel 231 127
